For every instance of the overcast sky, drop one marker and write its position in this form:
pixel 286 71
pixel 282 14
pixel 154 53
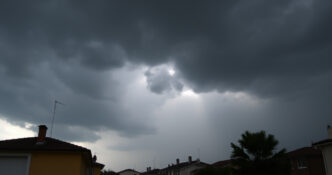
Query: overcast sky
pixel 146 82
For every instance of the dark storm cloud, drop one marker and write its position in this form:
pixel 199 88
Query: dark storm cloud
pixel 88 102
pixel 273 49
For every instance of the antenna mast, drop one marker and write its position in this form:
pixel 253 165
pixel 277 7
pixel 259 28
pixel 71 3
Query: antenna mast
pixel 54 108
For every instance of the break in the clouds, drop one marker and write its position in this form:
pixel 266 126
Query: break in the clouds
pixel 162 79
pixel 117 64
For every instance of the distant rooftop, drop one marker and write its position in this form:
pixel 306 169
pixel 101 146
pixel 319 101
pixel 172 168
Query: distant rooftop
pixel 184 164
pixel 128 170
pixel 222 163
pixel 323 142
pixel 307 151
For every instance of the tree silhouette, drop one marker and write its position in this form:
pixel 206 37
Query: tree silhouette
pixel 256 155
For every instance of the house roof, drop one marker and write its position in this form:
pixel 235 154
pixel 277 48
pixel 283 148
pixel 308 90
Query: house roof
pixel 323 142
pixel 96 164
pixel 128 170
pixel 305 151
pixel 185 164
pixel 154 171
pixel 50 144
pixel 222 163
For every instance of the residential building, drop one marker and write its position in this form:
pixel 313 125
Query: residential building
pixel 184 168
pixel 306 161
pixel 149 171
pixel 97 167
pixel 222 164
pixel 326 147
pixel 129 172
pixel 44 155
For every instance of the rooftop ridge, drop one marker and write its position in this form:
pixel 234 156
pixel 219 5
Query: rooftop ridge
pixel 67 143
pixel 17 139
pixel 51 144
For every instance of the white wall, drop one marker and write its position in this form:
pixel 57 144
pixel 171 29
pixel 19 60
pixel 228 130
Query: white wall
pixel 327 155
pixel 329 132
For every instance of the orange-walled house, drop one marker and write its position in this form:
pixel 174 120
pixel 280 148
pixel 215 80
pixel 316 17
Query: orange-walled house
pixel 44 155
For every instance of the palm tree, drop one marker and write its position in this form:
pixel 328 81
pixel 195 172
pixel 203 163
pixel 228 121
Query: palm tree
pixel 257 155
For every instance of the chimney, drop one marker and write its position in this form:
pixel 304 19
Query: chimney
pixel 94 158
pixel 41 134
pixel 177 161
pixel 189 159
pixel 329 132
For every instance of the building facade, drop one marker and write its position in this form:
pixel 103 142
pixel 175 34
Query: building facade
pixel 43 155
pixel 326 147
pixel 184 168
pixel 306 161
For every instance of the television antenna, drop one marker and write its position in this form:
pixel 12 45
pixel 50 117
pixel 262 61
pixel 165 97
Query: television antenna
pixel 54 108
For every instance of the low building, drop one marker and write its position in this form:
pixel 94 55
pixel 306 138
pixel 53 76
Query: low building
pixel 222 164
pixel 129 172
pixel 97 167
pixel 326 147
pixel 43 155
pixel 306 161
pixel 184 168
pixel 150 171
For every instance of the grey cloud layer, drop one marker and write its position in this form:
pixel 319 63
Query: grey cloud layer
pixel 232 44
pixel 275 49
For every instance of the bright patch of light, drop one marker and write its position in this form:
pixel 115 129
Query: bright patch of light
pixel 10 131
pixel 237 95
pixel 28 125
pixel 189 93
pixel 171 72
pixel 242 96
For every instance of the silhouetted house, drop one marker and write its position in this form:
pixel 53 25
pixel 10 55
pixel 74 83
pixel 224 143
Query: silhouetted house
pixel 97 167
pixel 184 168
pixel 45 156
pixel 129 172
pixel 326 147
pixel 222 164
pixel 149 171
pixel 306 161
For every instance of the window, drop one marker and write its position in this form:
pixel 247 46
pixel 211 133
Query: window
pixel 301 163
pixel 16 164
